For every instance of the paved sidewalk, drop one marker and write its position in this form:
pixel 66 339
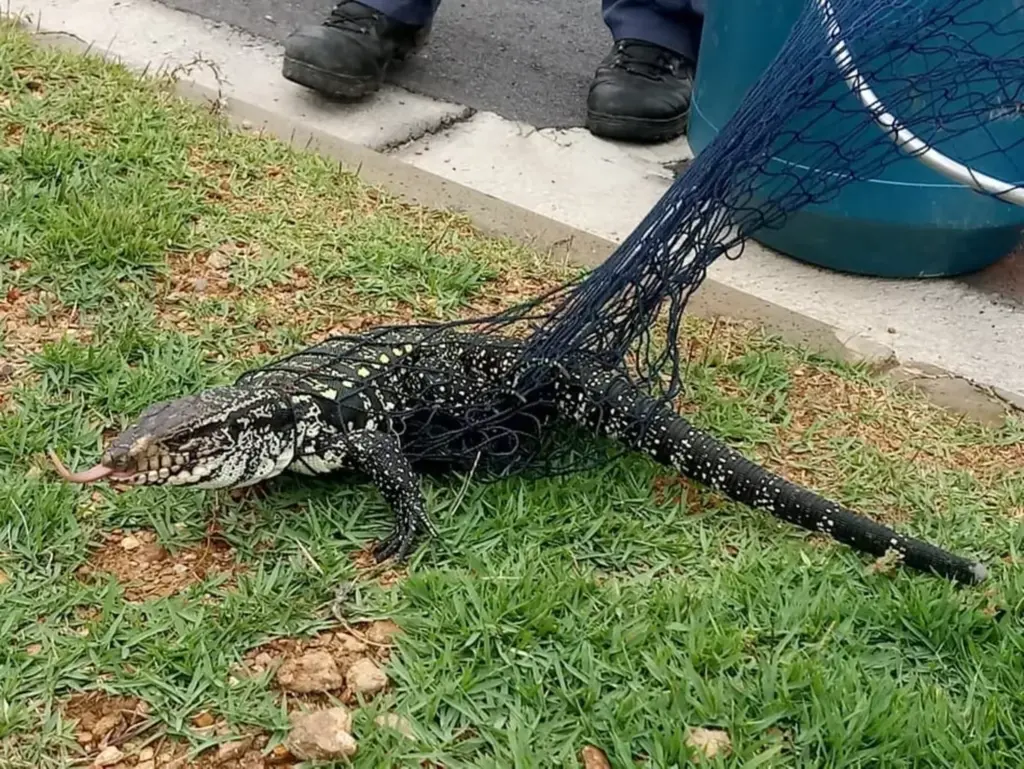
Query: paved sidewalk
pixel 972 328
pixel 528 60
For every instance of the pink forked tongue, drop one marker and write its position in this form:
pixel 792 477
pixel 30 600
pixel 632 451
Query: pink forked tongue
pixel 86 476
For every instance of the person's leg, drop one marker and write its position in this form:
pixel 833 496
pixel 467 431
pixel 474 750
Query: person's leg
pixel 641 91
pixel 348 54
pixel 415 13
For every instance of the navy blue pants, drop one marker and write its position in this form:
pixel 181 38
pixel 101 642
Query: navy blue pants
pixel 672 24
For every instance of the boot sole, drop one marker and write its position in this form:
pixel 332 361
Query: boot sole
pixel 328 83
pixel 638 130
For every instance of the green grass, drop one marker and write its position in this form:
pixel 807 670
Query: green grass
pixel 557 613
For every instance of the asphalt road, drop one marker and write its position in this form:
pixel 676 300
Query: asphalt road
pixel 527 60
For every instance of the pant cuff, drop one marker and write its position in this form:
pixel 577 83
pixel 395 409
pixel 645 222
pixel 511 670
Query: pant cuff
pixel 679 35
pixel 415 13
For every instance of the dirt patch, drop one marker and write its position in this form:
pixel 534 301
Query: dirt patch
pixel 206 273
pixel 712 342
pixel 30 319
pixel 102 720
pixel 675 489
pixel 387 577
pixel 32 79
pixel 344 664
pixel 510 288
pixel 896 426
pixel 146 570
pixel 119 733
pixel 12 135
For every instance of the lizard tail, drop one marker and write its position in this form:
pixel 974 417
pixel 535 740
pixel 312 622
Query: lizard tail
pixel 672 441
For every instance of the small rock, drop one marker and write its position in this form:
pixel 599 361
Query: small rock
pixel 280 754
pixel 199 285
pixel 147 754
pixel 321 734
pixel 710 742
pixel 6 372
pixel 264 660
pixel 106 725
pixel 108 757
pixel 349 643
pixel 151 553
pixel 130 543
pixel 83 738
pixel 364 677
pixel 229 751
pixel 313 672
pixel 594 758
pixel 247 124
pixel 380 632
pixel 33 649
pixel 218 260
pixel 203 720
pixel 396 723
pixel 179 568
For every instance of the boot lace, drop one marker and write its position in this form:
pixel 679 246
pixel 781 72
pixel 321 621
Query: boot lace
pixel 351 16
pixel 646 60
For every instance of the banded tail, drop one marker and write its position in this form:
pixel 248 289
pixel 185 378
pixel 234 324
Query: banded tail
pixel 617 409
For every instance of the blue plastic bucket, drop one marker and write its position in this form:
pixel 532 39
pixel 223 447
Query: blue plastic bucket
pixel 908 222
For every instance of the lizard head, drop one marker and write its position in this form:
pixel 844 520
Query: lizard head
pixel 223 437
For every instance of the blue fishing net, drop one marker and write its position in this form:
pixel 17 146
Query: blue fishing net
pixel 857 86
pixel 949 72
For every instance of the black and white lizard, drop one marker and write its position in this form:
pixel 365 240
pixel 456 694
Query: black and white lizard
pixel 367 403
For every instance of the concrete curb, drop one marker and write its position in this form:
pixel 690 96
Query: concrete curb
pixel 560 241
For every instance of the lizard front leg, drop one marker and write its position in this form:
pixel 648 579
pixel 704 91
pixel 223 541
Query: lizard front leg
pixel 380 457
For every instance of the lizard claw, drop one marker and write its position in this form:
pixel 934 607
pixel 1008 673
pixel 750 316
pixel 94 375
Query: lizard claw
pixel 401 540
pixel 387 548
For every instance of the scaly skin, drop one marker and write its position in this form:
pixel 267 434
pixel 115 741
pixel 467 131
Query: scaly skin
pixel 368 404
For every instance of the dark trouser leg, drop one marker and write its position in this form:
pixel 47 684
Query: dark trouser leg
pixel 415 13
pixel 348 55
pixel 671 24
pixel 641 91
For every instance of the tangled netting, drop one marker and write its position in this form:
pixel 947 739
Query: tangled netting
pixel 947 70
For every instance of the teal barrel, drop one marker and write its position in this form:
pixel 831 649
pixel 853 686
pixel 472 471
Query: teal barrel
pixel 910 222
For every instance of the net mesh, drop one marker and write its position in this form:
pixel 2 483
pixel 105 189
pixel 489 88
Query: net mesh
pixel 950 71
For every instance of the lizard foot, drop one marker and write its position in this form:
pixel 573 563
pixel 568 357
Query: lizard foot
pixel 402 538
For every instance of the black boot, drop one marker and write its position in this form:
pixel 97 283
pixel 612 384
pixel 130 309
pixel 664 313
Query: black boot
pixel 348 55
pixel 640 93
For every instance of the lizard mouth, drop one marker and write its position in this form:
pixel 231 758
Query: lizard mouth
pixel 93 474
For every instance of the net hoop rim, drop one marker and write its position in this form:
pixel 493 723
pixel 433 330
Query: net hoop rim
pixel 905 139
